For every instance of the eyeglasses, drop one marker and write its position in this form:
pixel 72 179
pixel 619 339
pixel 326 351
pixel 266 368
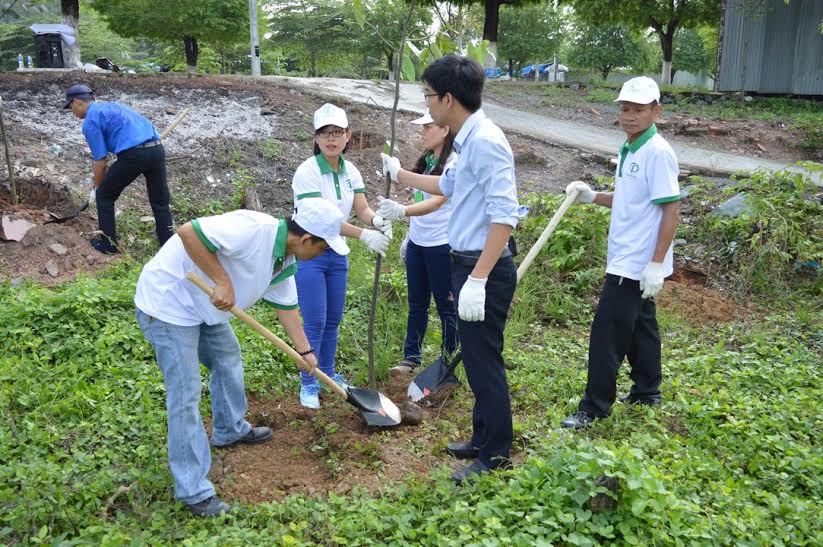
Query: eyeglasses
pixel 326 133
pixel 427 95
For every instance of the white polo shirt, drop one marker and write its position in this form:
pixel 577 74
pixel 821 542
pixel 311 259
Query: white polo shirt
pixel 646 178
pixel 315 179
pixel 431 230
pixel 251 247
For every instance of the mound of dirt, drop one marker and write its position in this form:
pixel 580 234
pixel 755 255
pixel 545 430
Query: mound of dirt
pixel 329 450
pixel 686 294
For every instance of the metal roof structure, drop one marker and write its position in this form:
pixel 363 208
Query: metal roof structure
pixel 769 46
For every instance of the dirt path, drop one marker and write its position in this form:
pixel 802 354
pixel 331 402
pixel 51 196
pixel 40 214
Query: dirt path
pixel 576 134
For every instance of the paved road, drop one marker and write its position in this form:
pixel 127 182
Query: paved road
pixel 574 134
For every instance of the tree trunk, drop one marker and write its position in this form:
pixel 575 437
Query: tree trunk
pixel 192 51
pixel 604 71
pixel 511 67
pixel 724 5
pixel 490 27
pixel 390 64
pixel 666 43
pixel 313 63
pixel 70 15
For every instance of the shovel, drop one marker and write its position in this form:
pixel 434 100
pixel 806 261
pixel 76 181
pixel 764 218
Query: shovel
pixel 59 220
pixel 441 373
pixel 377 409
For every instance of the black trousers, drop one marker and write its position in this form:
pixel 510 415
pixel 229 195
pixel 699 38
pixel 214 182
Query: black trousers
pixel 130 164
pixel 624 326
pixel 482 346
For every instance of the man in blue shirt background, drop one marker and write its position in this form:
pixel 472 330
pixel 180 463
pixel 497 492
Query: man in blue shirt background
pixel 482 189
pixel 117 129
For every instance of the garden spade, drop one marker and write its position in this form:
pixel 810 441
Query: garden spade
pixel 441 372
pixel 377 409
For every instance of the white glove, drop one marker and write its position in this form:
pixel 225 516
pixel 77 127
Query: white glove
pixel 403 247
pixel 383 225
pixel 651 280
pixel 471 305
pixel 585 193
pixel 93 197
pixel 391 166
pixel 375 241
pixel 390 210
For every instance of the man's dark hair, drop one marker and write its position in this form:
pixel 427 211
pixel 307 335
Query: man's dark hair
pixel 448 146
pixel 298 230
pixel 317 148
pixel 459 75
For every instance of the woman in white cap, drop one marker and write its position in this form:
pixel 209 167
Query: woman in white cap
pixel 321 282
pixel 426 248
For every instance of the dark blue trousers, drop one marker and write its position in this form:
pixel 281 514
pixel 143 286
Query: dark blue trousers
pixel 429 272
pixel 482 345
pixel 624 327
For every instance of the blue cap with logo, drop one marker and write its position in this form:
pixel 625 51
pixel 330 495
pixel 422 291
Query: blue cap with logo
pixel 78 91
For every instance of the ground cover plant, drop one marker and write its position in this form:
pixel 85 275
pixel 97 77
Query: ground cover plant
pixel 733 456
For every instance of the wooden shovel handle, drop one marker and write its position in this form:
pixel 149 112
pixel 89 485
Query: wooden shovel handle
pixel 252 322
pixel 541 241
pixel 177 120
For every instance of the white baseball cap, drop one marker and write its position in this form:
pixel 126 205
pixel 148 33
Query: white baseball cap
pixel 424 119
pixel 640 90
pixel 321 219
pixel 328 114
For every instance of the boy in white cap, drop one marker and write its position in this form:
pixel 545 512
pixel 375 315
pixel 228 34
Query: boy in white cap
pixel 248 256
pixel 321 282
pixel 645 208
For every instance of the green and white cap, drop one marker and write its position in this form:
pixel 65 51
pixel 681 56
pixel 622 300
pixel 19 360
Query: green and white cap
pixel 640 90
pixel 424 119
pixel 328 114
pixel 322 219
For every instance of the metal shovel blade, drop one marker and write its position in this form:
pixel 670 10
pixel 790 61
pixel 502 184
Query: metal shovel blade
pixel 60 220
pixel 377 409
pixel 433 377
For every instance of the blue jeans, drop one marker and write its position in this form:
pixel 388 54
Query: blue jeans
pixel 321 295
pixel 179 351
pixel 429 272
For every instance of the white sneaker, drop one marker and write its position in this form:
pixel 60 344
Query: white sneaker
pixel 310 396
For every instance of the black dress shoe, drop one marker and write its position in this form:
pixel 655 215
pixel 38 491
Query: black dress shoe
pixel 257 435
pixel 577 420
pixel 209 507
pixel 648 401
pixel 462 450
pixel 471 471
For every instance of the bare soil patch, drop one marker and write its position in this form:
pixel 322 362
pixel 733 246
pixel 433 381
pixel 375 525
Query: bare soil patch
pixel 332 450
pixel 686 294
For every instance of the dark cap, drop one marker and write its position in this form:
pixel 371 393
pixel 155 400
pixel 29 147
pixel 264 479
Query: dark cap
pixel 78 91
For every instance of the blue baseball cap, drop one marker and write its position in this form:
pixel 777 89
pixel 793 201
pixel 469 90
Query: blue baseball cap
pixel 78 91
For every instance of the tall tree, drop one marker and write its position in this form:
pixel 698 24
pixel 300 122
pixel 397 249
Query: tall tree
pixel 604 48
pixel 70 15
pixel 491 22
pixel 529 34
pixel 663 16
pixel 382 18
pixel 192 21
pixel 311 28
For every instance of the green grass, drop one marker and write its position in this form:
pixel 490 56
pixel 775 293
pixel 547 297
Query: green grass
pixel 732 457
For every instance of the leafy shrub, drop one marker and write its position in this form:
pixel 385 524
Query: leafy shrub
pixel 761 247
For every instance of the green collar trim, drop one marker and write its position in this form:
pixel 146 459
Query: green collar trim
pixel 431 162
pixel 635 146
pixel 325 167
pixel 279 252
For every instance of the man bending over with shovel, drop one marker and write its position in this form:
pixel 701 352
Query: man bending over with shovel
pixel 112 127
pixel 249 256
